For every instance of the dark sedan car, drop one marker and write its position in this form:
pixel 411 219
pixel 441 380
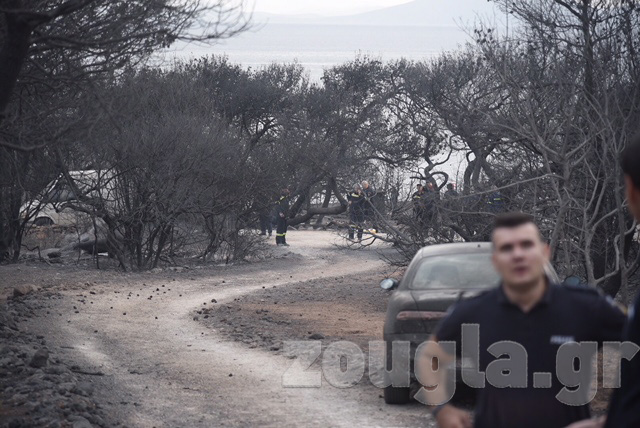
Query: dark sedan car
pixel 436 278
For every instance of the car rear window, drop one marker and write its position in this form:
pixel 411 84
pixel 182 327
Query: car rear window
pixel 473 270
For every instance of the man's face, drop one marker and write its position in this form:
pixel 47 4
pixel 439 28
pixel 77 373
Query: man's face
pixel 519 255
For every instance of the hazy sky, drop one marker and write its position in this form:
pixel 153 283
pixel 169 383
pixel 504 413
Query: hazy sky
pixel 322 7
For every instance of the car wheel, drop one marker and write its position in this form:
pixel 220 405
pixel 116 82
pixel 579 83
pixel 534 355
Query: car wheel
pixel 393 395
pixel 43 221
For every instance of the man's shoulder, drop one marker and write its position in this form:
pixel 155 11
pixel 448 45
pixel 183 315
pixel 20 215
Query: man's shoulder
pixel 580 288
pixel 585 296
pixel 580 292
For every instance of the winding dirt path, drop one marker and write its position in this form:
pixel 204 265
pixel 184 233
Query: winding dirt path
pixel 163 368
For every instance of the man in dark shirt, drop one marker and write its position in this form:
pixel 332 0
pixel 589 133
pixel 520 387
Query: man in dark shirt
pixel 624 410
pixel 530 311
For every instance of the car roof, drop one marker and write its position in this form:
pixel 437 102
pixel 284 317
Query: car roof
pixel 454 248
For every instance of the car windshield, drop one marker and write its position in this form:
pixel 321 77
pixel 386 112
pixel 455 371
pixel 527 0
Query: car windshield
pixel 473 270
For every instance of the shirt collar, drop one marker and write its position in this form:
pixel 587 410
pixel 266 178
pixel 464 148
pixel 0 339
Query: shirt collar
pixel 546 297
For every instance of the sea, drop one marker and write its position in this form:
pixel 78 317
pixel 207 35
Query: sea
pixel 318 47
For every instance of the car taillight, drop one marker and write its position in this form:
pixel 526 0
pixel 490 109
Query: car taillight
pixel 420 315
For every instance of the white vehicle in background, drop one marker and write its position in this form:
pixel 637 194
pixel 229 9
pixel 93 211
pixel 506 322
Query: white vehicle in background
pixel 55 205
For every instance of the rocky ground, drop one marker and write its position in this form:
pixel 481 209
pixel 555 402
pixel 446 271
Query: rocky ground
pixel 344 308
pixel 192 346
pixel 38 387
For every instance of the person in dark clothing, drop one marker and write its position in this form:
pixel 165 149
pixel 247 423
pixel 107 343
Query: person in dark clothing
pixel 495 201
pixel 451 191
pixel 265 224
pixel 282 213
pixel 528 311
pixel 624 408
pixel 356 211
pixel 419 199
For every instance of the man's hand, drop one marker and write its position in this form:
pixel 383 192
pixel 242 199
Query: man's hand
pixel 282 215
pixel 452 417
pixel 589 423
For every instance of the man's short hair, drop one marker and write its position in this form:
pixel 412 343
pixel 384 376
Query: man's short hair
pixel 630 160
pixel 511 220
pixel 450 186
pixel 419 185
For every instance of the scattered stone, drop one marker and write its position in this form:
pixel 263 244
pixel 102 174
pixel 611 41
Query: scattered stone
pixel 83 388
pixel 79 422
pixel 23 290
pixel 39 359
pixel 54 253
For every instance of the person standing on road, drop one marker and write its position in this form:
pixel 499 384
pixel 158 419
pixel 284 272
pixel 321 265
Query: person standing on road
pixel 451 191
pixel 624 408
pixel 529 311
pixel 419 199
pixel 282 212
pixel 356 211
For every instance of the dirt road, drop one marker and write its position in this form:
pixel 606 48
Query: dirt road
pixel 157 362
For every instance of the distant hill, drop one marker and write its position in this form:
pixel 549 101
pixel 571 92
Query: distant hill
pixel 429 13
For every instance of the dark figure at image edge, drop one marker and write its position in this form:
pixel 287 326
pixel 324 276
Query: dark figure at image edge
pixel 624 409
